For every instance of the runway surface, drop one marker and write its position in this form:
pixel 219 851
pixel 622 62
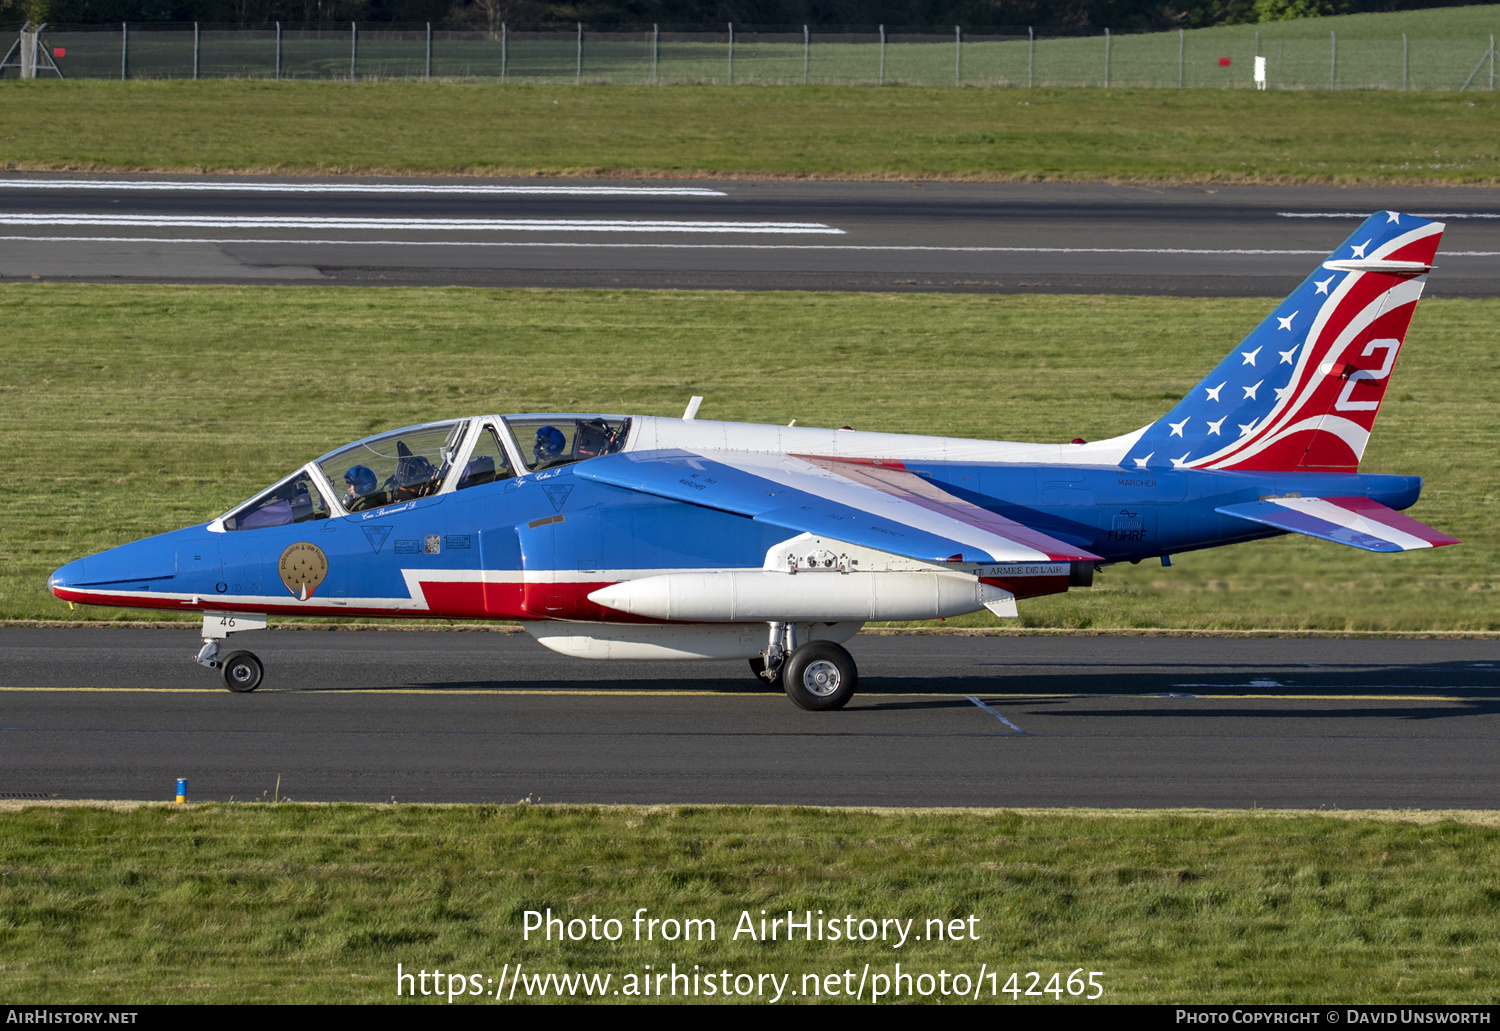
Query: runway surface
pixel 939 720
pixel 973 237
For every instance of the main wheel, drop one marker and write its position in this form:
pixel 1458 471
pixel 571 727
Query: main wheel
pixel 820 676
pixel 242 672
pixel 758 667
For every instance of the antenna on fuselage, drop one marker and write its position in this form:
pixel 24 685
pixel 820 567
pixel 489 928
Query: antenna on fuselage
pixel 694 403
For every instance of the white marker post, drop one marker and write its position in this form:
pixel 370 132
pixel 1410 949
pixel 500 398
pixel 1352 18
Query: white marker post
pixel 1260 72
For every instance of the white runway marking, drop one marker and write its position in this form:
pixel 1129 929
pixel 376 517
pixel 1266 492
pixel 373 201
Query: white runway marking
pixel 1366 214
pixel 995 714
pixel 164 186
pixel 446 225
pixel 686 246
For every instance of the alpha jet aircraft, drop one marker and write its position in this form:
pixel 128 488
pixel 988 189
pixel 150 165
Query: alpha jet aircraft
pixel 634 537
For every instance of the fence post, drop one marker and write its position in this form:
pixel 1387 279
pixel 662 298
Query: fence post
pixel 1106 58
pixel 578 69
pixel 1030 53
pixel 504 49
pixel 1333 59
pixel 806 49
pixel 278 51
pixel 124 51
pixel 731 53
pixel 427 76
pixel 1492 62
pixel 882 55
pixel 195 51
pixel 28 44
pixel 353 48
pixel 655 51
pixel 958 55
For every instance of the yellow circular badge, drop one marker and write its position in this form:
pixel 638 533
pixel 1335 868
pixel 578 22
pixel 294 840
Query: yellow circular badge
pixel 303 566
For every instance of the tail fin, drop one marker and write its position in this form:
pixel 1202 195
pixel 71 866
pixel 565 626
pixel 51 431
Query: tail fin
pixel 1303 389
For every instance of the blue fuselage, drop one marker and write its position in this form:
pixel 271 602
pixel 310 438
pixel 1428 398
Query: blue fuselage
pixel 532 547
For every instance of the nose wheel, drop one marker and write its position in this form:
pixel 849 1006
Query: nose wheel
pixel 242 672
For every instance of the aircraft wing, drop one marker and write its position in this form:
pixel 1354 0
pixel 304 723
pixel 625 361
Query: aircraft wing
pixel 884 507
pixel 1357 522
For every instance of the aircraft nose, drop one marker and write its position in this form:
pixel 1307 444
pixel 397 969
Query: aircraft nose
pixel 66 577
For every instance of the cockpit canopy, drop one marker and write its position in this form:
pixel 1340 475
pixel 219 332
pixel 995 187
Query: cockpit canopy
pixel 393 467
pixel 421 461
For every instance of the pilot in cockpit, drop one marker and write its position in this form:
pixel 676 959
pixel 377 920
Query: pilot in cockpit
pixel 362 489
pixel 549 447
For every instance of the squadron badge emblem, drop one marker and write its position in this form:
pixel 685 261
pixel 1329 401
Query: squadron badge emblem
pixel 303 566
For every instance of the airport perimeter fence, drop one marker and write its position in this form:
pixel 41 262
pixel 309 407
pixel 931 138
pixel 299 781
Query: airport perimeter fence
pixel 760 55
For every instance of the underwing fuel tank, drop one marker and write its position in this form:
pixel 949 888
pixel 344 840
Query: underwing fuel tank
pixel 760 595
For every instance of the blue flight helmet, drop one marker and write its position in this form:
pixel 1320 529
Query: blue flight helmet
pixel 549 444
pixel 361 480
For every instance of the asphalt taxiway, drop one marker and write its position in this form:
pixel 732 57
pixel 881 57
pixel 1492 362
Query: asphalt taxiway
pixel 719 234
pixel 939 720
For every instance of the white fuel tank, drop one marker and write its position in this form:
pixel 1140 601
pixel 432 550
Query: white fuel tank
pixel 758 595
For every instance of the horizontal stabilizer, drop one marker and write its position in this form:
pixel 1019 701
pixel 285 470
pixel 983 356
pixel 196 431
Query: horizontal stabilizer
pixel 1357 522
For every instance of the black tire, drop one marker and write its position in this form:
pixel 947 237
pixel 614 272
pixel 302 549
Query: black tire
pixel 820 676
pixel 758 667
pixel 242 672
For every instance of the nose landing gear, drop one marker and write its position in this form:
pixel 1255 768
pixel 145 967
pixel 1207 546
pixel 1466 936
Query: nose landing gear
pixel 818 675
pixel 241 670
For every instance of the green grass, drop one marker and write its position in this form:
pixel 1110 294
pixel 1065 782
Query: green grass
pixel 128 411
pixel 1044 134
pixel 287 903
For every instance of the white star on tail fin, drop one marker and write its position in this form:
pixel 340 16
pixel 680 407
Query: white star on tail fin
pixel 1250 355
pixel 1359 252
pixel 1286 323
pixel 1177 426
pixel 1250 391
pixel 1287 356
pixel 1213 427
pixel 1246 428
pixel 1177 463
pixel 1213 392
pixel 1391 216
pixel 1140 463
pixel 1282 392
pixel 1322 284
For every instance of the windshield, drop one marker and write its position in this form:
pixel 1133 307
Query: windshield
pixel 295 499
pixel 394 467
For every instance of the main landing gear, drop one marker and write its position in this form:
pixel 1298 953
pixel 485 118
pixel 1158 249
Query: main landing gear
pixel 241 670
pixel 817 675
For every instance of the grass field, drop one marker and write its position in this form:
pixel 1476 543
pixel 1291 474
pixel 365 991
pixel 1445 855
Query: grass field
pixel 133 410
pixel 290 903
pixel 921 133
